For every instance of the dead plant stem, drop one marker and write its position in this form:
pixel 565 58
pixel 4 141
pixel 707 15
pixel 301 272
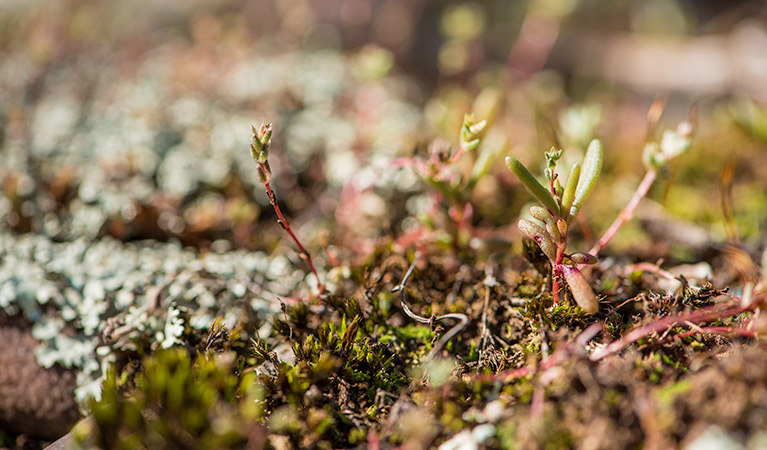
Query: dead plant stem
pixel 463 319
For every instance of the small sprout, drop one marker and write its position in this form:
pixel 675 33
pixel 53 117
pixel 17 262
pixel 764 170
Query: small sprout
pixel 672 144
pixel 656 157
pixel 471 132
pixel 559 207
pixel 582 292
pixel 539 192
pixel 261 140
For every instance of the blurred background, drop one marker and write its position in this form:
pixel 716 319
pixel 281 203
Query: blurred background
pixel 132 119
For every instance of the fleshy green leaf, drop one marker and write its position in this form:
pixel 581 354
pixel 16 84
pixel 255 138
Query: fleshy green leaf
pixel 539 236
pixel 539 192
pixel 582 292
pixel 583 258
pixel 551 225
pixel 572 182
pixel 592 165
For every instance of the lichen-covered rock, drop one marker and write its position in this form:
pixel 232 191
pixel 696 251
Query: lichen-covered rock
pixel 34 400
pixel 88 301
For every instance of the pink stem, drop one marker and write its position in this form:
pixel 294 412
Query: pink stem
pixel 652 268
pixel 628 211
pixel 457 155
pixel 708 314
pixel 286 226
pixel 740 331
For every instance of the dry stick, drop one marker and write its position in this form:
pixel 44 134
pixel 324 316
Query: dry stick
pixel 286 226
pixel 628 211
pixel 463 319
pixel 489 283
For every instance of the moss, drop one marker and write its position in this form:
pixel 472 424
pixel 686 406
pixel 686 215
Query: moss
pixel 181 400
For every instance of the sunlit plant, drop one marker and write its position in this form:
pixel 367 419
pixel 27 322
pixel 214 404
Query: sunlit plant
pixel 559 204
pixel 261 141
pixel 452 189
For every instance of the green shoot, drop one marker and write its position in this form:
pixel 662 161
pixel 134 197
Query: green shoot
pixel 559 205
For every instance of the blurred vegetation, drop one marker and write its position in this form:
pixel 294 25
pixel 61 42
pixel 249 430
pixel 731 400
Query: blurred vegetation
pixel 132 220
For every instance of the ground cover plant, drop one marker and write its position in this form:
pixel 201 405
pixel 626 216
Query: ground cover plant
pixel 255 225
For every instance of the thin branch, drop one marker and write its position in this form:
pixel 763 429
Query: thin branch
pixel 718 330
pixel 708 314
pixel 651 268
pixel 628 211
pixel 304 254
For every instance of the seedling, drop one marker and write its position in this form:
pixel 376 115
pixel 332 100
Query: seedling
pixel 455 188
pixel 259 148
pixel 558 207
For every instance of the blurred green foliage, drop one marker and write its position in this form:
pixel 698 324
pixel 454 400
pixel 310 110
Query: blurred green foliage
pixel 180 401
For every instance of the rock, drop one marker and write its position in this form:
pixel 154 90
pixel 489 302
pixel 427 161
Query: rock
pixel 35 401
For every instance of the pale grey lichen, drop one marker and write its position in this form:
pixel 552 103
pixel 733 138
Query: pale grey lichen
pixel 87 299
pixel 136 144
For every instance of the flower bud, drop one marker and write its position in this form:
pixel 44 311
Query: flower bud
pixel 264 172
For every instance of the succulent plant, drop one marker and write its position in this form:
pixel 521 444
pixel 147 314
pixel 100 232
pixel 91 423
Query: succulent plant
pixel 559 206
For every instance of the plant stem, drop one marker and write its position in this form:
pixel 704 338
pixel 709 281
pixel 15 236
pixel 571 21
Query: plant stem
pixel 715 312
pixel 556 265
pixel 286 226
pixel 628 211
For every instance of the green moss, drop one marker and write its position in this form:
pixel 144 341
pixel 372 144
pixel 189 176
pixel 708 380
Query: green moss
pixel 666 395
pixel 197 401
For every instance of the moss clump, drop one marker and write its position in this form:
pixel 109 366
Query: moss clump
pixel 181 401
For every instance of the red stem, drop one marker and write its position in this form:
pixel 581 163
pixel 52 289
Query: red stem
pixel 457 155
pixel 707 314
pixel 286 226
pixel 741 331
pixel 555 268
pixel 628 211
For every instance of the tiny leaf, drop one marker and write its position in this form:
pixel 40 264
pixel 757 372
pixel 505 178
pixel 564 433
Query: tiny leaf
pixel 551 225
pixel 583 258
pixel 539 192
